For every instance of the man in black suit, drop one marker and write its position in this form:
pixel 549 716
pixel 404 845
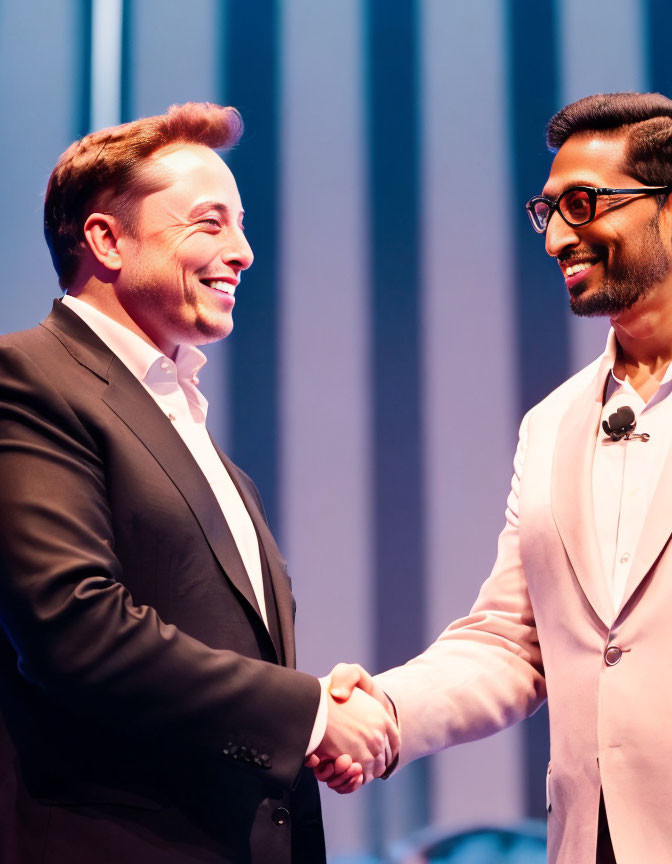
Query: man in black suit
pixel 151 711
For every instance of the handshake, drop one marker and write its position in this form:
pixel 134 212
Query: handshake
pixel 362 737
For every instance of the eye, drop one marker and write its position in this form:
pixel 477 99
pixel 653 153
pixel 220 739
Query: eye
pixel 209 220
pixel 576 205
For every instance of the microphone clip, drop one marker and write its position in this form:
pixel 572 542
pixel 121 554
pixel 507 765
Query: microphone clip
pixel 621 425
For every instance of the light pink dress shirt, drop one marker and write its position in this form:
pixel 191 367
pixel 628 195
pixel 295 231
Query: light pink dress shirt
pixel 625 473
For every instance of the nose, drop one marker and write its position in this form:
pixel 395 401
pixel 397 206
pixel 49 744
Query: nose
pixel 560 235
pixel 239 256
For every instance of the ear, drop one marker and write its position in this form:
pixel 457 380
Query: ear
pixel 102 231
pixel 665 212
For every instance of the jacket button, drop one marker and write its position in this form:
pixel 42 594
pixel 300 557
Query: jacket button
pixel 280 816
pixel 612 655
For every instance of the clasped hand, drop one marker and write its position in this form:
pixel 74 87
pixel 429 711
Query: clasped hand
pixel 362 738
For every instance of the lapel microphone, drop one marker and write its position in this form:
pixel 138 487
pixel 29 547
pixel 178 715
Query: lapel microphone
pixel 622 424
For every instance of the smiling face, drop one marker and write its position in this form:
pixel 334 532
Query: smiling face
pixel 625 252
pixel 182 261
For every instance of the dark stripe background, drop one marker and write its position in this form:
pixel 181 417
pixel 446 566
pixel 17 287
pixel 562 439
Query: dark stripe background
pixel 658 33
pixel 250 72
pixel 83 41
pixel 392 110
pixel 128 110
pixel 541 312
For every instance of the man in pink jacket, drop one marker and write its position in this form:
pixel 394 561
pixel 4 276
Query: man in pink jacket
pixel 579 603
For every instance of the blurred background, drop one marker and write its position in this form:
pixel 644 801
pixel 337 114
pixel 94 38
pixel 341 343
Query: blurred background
pixel 400 315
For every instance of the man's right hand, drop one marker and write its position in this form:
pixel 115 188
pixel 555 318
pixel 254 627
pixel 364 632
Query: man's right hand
pixel 362 737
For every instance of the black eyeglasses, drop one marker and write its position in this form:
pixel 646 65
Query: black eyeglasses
pixel 577 205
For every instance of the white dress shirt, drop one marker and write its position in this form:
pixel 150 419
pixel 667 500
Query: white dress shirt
pixel 173 385
pixel 625 473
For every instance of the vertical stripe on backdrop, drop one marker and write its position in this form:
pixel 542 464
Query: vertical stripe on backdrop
pixel 129 70
pixel 82 123
pixel 612 63
pixel 542 320
pixel 658 35
pixel 470 407
pixel 252 84
pixel 106 62
pixel 325 483
pixel 392 93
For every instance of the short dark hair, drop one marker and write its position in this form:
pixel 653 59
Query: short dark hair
pixel 104 170
pixel 645 118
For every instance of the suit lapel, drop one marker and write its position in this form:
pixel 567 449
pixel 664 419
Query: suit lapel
pixel 276 564
pixel 572 493
pixel 134 406
pixel 146 420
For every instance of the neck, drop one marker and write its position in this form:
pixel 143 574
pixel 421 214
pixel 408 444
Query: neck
pixel 644 332
pixel 644 335
pixel 102 296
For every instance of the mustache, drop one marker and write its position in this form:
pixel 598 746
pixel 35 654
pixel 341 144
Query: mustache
pixel 583 253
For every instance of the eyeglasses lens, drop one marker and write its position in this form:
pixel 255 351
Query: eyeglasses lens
pixel 576 206
pixel 541 210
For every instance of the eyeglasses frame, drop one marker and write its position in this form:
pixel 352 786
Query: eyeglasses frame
pixel 593 193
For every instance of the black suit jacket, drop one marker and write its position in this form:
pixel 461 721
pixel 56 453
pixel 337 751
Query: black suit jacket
pixel 146 715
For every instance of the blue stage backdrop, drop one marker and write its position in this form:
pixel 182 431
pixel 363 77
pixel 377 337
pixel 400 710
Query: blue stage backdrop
pixel 400 315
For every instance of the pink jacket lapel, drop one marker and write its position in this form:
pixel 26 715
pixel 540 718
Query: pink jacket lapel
pixel 572 494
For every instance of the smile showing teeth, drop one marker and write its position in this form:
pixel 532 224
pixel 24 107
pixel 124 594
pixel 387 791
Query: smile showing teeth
pixel 220 285
pixel 577 268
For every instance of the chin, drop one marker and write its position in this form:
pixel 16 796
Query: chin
pixel 587 304
pixel 602 303
pixel 207 330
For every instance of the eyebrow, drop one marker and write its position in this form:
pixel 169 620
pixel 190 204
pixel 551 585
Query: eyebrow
pixel 571 185
pixel 204 206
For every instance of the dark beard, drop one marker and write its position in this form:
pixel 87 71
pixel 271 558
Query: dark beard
pixel 629 281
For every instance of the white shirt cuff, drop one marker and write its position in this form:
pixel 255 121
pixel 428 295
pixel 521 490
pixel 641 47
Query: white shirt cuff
pixel 320 724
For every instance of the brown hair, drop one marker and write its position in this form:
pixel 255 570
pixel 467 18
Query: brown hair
pixel 646 119
pixel 104 170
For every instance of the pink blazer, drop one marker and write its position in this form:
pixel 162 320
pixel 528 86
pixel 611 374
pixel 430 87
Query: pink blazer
pixel 544 625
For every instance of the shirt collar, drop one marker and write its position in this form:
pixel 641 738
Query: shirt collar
pixel 611 348
pixel 616 385
pixel 132 349
pixel 610 352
